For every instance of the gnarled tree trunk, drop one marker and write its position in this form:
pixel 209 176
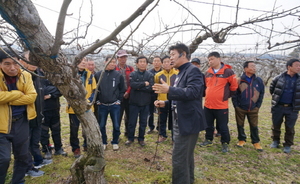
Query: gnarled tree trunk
pixel 23 16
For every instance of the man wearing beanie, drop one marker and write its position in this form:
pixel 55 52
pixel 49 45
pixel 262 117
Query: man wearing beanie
pixel 17 97
pixel 285 91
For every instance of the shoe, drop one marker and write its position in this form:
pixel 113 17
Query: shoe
pixel 240 144
pixel 77 153
pixel 161 139
pixel 150 131
pixel 45 162
pixel 275 144
pixel 51 146
pixel 61 152
pixel 257 146
pixel 115 147
pixel 48 155
pixel 104 146
pixel 34 173
pixel 225 148
pixel 142 143
pixel 206 143
pixel 127 143
pixel 287 149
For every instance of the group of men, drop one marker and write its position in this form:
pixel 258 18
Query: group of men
pixel 175 86
pixel 29 108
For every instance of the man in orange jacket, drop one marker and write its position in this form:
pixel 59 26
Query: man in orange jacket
pixel 221 84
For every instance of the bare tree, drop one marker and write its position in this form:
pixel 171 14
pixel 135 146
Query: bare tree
pixel 47 54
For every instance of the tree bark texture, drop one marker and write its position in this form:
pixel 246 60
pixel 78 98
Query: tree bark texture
pixel 23 16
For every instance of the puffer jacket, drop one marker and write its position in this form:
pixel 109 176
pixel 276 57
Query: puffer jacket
pixel 25 95
pixel 277 87
pixel 249 95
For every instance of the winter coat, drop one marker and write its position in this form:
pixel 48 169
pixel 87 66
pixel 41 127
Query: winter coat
pixel 140 94
pixel 25 95
pixel 277 87
pixel 249 95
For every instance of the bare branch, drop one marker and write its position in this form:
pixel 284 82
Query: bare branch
pixel 113 35
pixel 113 56
pixel 237 11
pixel 60 28
pixel 283 43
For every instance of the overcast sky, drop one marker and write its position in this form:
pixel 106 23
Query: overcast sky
pixel 108 14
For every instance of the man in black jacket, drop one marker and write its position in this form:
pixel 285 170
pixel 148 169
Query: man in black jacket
pixel 285 91
pixel 141 82
pixel 157 67
pixel 52 120
pixel 35 124
pixel 188 115
pixel 110 95
pixel 247 101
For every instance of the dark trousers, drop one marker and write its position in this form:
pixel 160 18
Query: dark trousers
pixel 163 117
pixel 74 127
pixel 252 117
pixel 183 156
pixel 18 141
pixel 34 145
pixel 221 117
pixel 124 107
pixel 290 116
pixel 52 122
pixel 135 112
pixel 114 111
pixel 151 113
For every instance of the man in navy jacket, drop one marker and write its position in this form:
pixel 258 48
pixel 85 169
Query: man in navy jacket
pixel 188 116
pixel 247 101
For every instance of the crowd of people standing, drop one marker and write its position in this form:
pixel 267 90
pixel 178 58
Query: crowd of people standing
pixel 174 88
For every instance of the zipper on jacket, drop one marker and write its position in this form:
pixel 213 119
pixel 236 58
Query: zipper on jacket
pixel 9 119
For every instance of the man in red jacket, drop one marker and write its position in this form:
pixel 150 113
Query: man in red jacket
pixel 221 84
pixel 125 70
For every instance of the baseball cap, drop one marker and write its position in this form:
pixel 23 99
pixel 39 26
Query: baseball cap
pixel 122 53
pixel 195 60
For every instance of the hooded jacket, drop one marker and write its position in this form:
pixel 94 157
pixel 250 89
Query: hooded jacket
pixel 25 95
pixel 220 87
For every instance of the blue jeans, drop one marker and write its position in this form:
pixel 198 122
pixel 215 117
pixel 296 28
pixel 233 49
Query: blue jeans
pixel 134 112
pixel 114 111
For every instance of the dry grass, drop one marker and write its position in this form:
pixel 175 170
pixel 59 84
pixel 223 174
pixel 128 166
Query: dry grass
pixel 152 163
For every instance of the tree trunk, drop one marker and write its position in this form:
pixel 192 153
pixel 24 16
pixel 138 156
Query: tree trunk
pixel 22 15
